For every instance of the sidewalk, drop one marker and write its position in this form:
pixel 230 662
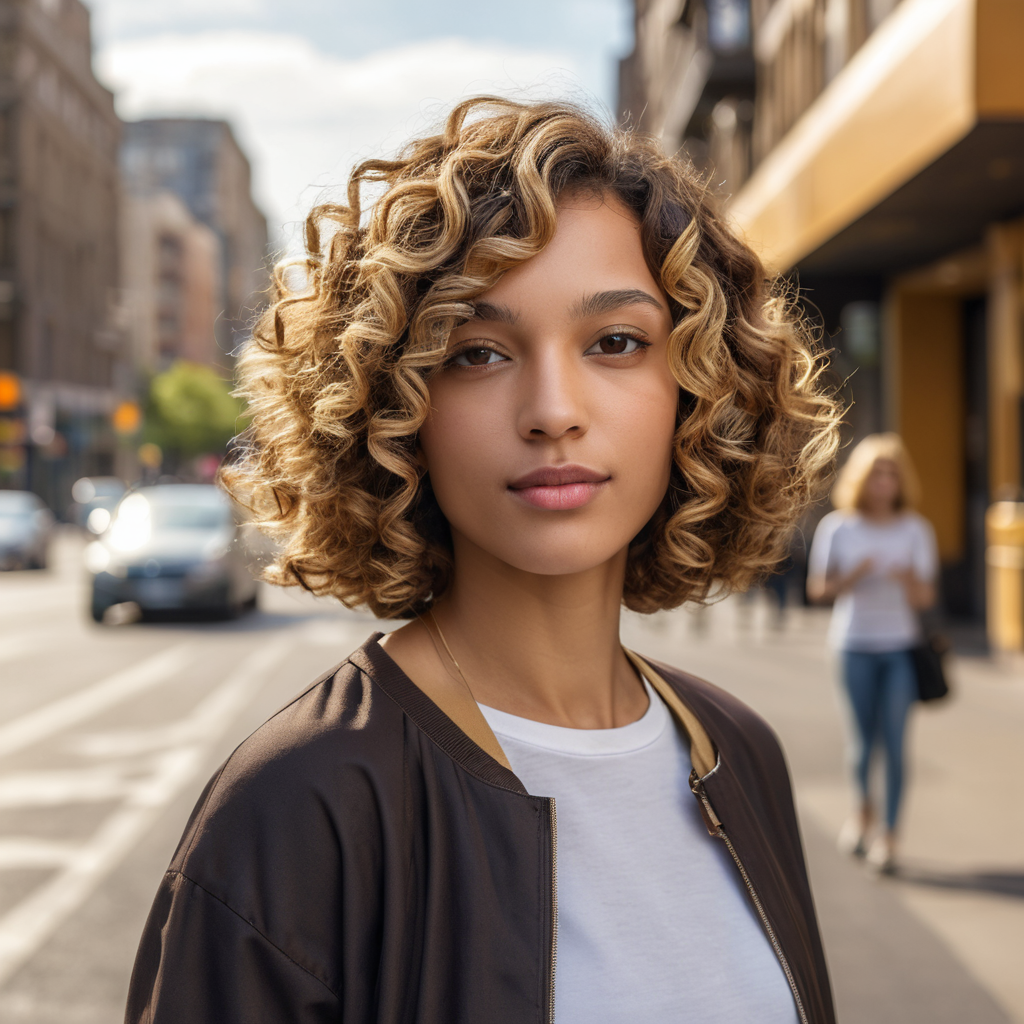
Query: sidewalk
pixel 943 942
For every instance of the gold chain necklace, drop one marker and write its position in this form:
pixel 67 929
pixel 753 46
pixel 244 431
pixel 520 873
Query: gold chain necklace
pixel 448 650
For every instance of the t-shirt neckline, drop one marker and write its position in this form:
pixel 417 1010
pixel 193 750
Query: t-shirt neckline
pixel 624 739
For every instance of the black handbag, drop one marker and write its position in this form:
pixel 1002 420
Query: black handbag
pixel 929 667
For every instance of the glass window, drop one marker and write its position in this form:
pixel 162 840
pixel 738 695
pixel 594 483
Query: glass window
pixel 728 25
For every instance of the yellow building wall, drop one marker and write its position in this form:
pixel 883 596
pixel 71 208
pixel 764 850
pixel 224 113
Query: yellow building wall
pixel 929 406
pixel 929 74
pixel 1005 359
pixel 1000 84
pixel 904 99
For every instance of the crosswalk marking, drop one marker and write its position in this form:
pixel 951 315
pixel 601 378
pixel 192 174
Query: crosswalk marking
pixel 70 786
pixel 175 754
pixel 29 852
pixel 20 644
pixel 67 711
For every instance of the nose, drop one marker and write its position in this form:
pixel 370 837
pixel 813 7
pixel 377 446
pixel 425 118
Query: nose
pixel 552 401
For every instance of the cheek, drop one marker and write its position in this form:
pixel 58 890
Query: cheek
pixel 459 439
pixel 645 427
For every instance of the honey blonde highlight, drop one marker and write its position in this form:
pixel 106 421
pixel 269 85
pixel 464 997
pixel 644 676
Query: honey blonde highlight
pixel 337 374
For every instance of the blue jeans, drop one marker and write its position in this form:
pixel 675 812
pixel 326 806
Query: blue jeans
pixel 881 687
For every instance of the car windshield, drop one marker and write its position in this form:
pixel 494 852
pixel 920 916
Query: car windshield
pixel 189 517
pixel 17 505
pixel 91 489
pixel 144 515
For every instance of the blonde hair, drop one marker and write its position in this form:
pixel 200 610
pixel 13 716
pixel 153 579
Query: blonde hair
pixel 337 375
pixel 848 492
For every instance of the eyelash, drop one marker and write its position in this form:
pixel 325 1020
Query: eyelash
pixel 634 336
pixel 450 361
pixel 625 332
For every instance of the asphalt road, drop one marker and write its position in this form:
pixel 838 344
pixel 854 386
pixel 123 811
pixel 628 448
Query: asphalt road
pixel 107 735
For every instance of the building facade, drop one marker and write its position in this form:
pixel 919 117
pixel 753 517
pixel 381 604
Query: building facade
pixel 60 334
pixel 173 294
pixel 886 176
pixel 200 163
pixel 690 82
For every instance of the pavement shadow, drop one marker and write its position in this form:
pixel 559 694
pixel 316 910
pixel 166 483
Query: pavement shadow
pixel 998 883
pixel 249 622
pixel 128 616
pixel 887 965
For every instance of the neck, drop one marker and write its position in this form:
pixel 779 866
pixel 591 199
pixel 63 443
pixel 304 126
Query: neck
pixel 542 647
pixel 880 512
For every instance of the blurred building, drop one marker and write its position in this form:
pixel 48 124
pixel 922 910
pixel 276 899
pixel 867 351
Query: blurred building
pixel 172 282
pixel 690 82
pixel 882 165
pixel 189 200
pixel 59 332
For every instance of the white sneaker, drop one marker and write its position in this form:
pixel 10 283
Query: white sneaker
pixel 881 859
pixel 852 841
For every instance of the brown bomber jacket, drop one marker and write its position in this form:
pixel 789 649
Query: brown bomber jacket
pixel 361 859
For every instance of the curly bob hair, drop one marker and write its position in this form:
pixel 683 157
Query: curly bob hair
pixel 337 373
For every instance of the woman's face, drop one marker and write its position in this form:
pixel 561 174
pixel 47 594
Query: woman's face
pixel 549 440
pixel 882 487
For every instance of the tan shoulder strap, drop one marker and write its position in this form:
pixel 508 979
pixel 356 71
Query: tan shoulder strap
pixel 702 751
pixel 454 700
pixel 458 704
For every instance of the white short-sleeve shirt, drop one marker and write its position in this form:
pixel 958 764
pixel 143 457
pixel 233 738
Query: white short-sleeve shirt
pixel 874 615
pixel 654 924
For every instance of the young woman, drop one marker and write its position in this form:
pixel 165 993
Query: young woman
pixel 537 380
pixel 877 558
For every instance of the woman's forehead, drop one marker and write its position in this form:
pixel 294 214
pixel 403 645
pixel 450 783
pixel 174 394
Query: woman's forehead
pixel 595 255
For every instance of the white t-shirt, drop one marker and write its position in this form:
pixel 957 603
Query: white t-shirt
pixel 874 614
pixel 654 925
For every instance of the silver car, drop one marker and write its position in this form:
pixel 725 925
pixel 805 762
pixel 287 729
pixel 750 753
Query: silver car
pixel 94 500
pixel 26 526
pixel 172 547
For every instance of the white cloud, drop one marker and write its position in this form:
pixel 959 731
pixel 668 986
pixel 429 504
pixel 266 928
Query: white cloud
pixel 304 116
pixel 129 16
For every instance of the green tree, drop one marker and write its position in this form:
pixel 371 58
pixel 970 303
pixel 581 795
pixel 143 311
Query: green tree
pixel 190 411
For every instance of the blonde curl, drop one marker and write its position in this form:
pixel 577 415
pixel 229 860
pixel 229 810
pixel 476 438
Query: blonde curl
pixel 337 374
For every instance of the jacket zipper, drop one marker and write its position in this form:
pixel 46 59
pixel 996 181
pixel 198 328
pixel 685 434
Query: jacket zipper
pixel 554 911
pixel 714 827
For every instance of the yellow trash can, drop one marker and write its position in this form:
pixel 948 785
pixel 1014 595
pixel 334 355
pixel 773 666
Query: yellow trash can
pixel 1004 558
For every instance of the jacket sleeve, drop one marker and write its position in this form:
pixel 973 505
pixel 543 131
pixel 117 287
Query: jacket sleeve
pixel 201 962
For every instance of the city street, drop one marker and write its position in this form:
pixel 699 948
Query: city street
pixel 107 735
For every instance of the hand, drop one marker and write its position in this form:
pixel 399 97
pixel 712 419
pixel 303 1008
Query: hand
pixel 904 575
pixel 863 568
pixel 826 588
pixel 920 594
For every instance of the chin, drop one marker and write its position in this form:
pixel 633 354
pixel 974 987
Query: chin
pixel 558 555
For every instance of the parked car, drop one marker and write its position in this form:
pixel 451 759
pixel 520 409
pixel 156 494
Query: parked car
pixel 26 526
pixel 95 498
pixel 172 547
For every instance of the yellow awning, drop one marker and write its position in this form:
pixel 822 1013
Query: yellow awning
pixel 931 73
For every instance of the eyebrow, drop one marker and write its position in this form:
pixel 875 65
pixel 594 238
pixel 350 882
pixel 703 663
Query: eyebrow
pixel 495 313
pixel 587 306
pixel 606 302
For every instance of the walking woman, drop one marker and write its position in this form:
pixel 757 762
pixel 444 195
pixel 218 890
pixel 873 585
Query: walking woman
pixel 536 380
pixel 876 557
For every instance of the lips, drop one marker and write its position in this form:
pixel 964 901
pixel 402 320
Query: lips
pixel 559 488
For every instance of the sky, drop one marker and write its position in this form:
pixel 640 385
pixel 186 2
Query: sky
pixel 313 86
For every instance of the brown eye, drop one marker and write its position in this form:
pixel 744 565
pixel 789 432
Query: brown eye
pixel 616 344
pixel 477 357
